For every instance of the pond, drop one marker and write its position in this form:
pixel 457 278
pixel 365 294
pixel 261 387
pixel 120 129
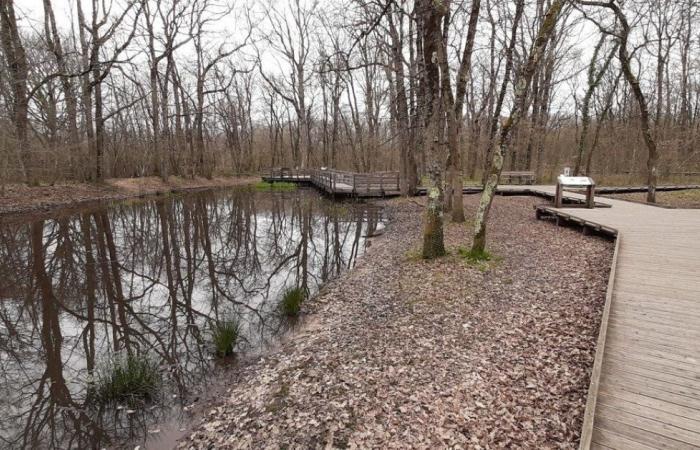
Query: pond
pixel 86 293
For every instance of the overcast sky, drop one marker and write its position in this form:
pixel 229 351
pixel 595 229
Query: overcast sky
pixel 31 14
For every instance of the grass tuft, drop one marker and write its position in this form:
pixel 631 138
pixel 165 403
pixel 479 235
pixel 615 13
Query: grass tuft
pixel 482 260
pixel 276 186
pixel 224 336
pixel 290 305
pixel 475 256
pixel 127 380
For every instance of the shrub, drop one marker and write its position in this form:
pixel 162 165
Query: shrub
pixel 291 302
pixel 224 336
pixel 127 380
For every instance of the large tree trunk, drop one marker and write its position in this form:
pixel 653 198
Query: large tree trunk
pixel 433 241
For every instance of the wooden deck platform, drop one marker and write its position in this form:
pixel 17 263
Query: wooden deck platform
pixel 645 385
pixel 341 183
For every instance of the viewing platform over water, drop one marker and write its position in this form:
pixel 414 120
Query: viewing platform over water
pixel 338 182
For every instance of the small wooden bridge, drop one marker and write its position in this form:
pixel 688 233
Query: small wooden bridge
pixel 338 182
pixel 645 384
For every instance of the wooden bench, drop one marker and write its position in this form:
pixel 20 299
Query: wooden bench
pixel 523 177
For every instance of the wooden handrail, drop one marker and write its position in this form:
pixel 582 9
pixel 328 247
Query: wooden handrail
pixel 338 181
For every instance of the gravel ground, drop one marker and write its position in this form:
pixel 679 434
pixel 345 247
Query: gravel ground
pixel 689 198
pixel 401 352
pixel 22 199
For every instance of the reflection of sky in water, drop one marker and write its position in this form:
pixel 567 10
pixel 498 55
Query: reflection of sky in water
pixel 231 254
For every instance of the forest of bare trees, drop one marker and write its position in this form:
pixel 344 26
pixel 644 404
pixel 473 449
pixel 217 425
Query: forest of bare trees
pixel 91 90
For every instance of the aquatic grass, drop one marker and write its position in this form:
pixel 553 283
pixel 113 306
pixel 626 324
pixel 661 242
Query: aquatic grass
pixel 290 304
pixel 127 380
pixel 225 335
pixel 275 186
pixel 340 210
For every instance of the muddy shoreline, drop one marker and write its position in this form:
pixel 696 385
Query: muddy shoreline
pixel 39 201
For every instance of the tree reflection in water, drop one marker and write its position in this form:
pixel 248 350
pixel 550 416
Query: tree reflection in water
pixel 150 278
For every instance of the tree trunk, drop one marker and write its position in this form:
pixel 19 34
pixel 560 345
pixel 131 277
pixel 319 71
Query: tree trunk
pixel 16 60
pixel 456 117
pixel 633 83
pixel 521 91
pixel 407 165
pixel 519 10
pixel 433 239
pixel 594 80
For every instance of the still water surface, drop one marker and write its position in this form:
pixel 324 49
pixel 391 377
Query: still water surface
pixel 151 278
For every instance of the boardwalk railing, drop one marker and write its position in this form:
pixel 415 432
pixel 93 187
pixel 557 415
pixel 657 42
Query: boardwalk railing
pixel 284 173
pixel 376 184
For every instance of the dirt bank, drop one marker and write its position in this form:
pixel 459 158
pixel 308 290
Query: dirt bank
pixel 401 352
pixel 21 199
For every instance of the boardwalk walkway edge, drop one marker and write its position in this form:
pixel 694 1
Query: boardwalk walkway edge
pixel 592 396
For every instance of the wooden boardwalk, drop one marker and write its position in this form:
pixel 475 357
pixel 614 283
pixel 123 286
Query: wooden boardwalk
pixel 645 385
pixel 341 183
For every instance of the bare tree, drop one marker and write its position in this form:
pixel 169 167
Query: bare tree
pixel 625 60
pixel 290 36
pixel 595 76
pixel 455 110
pixel 522 85
pixel 16 61
pixel 98 68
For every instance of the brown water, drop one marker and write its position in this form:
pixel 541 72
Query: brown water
pixel 150 278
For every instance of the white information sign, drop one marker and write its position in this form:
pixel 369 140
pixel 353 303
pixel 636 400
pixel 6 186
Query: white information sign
pixel 574 181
